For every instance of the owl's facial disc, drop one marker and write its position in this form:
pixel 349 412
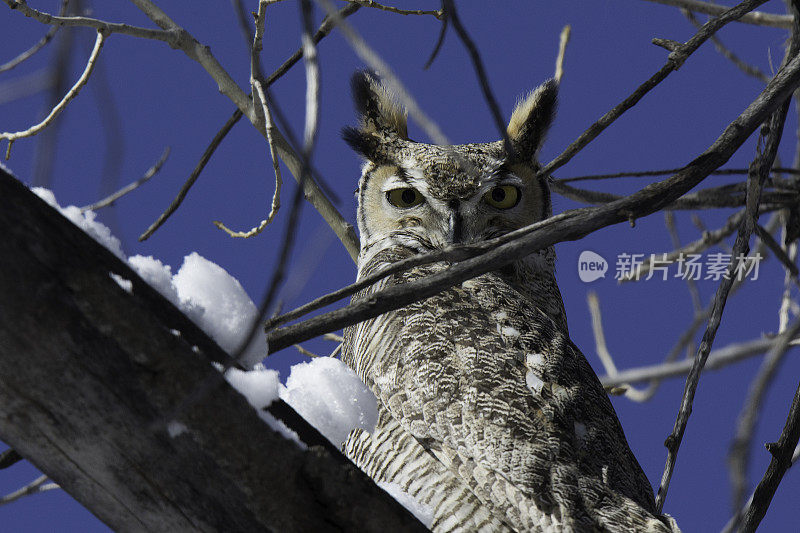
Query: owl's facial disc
pixel 413 205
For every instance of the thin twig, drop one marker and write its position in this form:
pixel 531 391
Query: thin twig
pixel 72 93
pixel 709 239
pixel 718 358
pixel 439 40
pixel 756 18
pixel 780 254
pixel 665 172
pixel 305 352
pixel 563 40
pixel 257 89
pixel 782 459
pixel 108 28
pixel 209 151
pixel 675 60
pixel 738 62
pixel 39 44
pixel 371 58
pixel 739 454
pixel 34 487
pixel 152 171
pixel 480 72
pixel 227 86
pixel 728 195
pixel 376 5
pixel 602 349
pixel 760 170
pixel 694 293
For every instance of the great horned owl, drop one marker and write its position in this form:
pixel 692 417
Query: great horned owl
pixel 488 412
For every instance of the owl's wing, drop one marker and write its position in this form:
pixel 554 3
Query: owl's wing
pixel 485 382
pixel 390 454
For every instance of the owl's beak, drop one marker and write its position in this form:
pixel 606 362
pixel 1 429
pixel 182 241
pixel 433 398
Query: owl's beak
pixel 456 228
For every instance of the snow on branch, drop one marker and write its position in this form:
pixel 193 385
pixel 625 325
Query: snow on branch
pixel 88 371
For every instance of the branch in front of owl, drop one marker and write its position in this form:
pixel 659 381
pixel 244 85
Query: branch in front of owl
pixel 674 61
pixel 570 225
pixel 756 18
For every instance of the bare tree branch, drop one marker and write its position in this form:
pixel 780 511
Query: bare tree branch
pixel 39 44
pixel 209 151
pixel 152 171
pixel 171 38
pixel 72 93
pixel 758 18
pixel 675 60
pixel 717 359
pixel 739 454
pixel 665 172
pixel 758 175
pixel 745 67
pixel 34 487
pixel 376 5
pixel 782 458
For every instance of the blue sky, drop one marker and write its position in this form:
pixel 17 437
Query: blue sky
pixel 163 98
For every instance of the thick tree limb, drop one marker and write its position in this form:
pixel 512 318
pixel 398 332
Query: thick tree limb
pixel 86 368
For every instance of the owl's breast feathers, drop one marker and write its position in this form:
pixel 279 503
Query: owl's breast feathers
pixel 488 384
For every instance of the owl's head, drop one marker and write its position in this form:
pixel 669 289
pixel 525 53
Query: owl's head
pixel 426 196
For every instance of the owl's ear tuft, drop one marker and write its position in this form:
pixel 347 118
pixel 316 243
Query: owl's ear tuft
pixel 379 112
pixel 367 145
pixel 531 119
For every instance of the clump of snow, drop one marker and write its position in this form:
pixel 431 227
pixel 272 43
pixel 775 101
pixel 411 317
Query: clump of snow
pixel 424 513
pixel 332 397
pixel 216 302
pixel 157 275
pixel 202 290
pixel 86 221
pixel 211 297
pixel 261 387
pixel 125 284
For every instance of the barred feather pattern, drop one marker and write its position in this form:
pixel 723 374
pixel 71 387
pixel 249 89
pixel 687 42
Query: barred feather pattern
pixel 490 414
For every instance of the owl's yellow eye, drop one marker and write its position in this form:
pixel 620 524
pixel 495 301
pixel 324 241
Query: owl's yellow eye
pixel 404 198
pixel 502 197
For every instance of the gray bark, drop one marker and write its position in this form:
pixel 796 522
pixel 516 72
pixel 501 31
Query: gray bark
pixel 89 374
